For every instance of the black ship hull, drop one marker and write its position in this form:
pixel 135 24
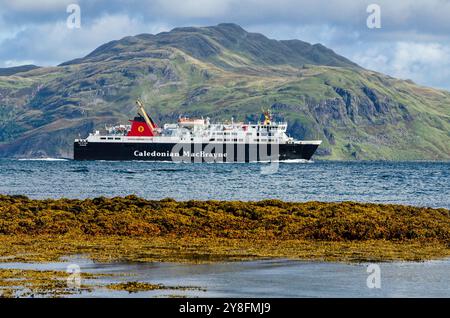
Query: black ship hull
pixel 192 152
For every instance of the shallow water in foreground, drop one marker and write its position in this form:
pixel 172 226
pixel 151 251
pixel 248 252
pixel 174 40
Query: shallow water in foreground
pixel 411 183
pixel 267 278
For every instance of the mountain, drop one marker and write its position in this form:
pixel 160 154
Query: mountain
pixel 224 71
pixel 7 71
pixel 211 43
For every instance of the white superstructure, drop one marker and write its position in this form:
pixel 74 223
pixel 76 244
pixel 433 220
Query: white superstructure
pixel 188 130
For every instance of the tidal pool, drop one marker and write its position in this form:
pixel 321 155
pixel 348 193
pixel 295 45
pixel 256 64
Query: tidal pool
pixel 263 278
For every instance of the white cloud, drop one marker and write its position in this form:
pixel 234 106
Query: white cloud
pixel 196 8
pixel 61 43
pixel 11 63
pixel 424 63
pixel 33 5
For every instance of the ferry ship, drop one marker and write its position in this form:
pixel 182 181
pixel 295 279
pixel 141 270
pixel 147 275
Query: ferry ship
pixel 194 140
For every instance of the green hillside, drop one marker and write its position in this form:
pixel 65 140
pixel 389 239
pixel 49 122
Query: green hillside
pixel 225 72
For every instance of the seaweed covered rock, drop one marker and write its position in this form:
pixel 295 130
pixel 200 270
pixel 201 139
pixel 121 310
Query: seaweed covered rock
pixel 268 219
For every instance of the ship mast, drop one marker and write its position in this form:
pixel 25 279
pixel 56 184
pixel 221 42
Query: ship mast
pixel 141 111
pixel 267 117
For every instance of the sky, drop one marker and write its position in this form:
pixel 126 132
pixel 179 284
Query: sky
pixel 412 42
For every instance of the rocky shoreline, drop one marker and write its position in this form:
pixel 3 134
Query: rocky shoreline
pixel 132 229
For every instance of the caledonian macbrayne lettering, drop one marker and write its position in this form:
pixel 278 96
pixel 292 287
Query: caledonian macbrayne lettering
pixel 170 154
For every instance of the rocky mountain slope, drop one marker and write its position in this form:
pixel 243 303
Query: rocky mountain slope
pixel 223 72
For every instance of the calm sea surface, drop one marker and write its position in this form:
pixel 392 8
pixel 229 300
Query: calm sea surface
pixel 412 183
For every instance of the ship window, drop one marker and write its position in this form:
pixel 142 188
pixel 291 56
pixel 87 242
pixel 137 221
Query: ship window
pixel 234 134
pixel 235 139
pixel 117 138
pixel 212 139
pixel 219 139
pixel 103 138
pixel 110 138
pixel 249 134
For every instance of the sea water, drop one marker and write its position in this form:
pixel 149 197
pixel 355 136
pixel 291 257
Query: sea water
pixel 410 183
pixel 263 278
